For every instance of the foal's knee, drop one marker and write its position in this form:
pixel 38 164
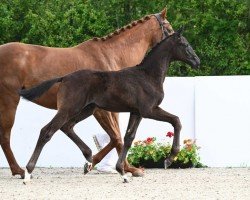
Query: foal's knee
pixel 177 123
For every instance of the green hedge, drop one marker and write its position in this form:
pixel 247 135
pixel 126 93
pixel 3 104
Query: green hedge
pixel 217 29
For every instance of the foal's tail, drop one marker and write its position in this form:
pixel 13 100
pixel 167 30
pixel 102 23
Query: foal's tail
pixel 37 91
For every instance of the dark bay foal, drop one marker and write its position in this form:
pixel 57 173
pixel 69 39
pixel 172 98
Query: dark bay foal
pixel 138 90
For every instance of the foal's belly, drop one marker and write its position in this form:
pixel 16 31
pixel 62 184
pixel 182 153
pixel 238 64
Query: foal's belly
pixel 115 108
pixel 116 104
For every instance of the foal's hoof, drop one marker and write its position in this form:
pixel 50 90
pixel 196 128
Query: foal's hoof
pixel 125 179
pixel 167 163
pixel 23 176
pixel 87 167
pixel 27 177
pixel 138 173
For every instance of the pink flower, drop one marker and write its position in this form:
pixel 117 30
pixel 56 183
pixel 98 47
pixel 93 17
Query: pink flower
pixel 170 134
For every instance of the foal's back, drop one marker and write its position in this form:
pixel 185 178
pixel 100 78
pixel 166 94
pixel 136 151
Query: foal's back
pixel 117 91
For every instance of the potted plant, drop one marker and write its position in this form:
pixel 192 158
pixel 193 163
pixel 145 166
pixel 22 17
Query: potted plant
pixel 151 154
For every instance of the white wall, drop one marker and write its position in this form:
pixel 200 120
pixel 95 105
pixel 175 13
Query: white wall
pixel 222 120
pixel 215 110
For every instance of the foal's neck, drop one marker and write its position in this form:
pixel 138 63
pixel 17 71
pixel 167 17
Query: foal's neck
pixel 156 63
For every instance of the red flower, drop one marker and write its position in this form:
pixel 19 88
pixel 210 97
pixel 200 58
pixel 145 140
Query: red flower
pixel 149 140
pixel 170 134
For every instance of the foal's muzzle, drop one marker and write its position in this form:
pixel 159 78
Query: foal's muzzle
pixel 196 62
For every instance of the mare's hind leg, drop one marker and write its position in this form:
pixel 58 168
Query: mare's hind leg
pixel 109 122
pixel 8 105
pixel 158 114
pixel 133 124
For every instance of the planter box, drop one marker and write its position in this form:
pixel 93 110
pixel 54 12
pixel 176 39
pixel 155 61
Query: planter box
pixel 160 164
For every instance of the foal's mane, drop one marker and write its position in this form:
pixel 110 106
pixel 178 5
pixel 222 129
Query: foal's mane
pixel 124 28
pixel 154 47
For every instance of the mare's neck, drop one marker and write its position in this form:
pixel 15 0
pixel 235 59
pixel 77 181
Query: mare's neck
pixel 129 47
pixel 157 62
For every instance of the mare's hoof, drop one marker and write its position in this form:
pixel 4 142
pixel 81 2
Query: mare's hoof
pixel 138 173
pixel 21 173
pixel 27 177
pixel 87 167
pixel 167 163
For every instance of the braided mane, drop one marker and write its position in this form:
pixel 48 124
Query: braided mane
pixel 124 28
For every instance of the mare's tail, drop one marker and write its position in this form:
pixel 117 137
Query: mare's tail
pixel 37 91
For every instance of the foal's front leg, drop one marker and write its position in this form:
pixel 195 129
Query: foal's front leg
pixel 109 122
pixel 160 115
pixel 133 124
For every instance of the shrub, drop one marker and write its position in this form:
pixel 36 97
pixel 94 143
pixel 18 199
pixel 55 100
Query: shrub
pixel 151 151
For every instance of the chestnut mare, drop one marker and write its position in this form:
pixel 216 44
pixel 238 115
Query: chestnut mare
pixel 25 65
pixel 138 90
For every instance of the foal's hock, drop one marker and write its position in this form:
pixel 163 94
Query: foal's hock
pixel 138 90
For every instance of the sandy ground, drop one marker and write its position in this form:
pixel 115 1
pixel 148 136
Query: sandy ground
pixel 70 183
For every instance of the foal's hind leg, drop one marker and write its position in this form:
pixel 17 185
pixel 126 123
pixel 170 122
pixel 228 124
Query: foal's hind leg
pixel 45 135
pixel 109 122
pixel 158 114
pixel 68 130
pixel 8 105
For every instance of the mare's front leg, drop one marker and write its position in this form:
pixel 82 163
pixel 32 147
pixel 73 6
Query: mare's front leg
pixel 109 122
pixel 160 115
pixel 133 124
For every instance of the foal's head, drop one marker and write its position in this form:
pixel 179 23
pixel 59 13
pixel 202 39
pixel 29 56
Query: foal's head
pixel 183 51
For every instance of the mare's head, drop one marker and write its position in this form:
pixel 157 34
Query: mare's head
pixel 182 50
pixel 164 28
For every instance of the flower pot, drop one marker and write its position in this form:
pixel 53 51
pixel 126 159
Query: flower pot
pixel 151 164
pixel 160 164
pixel 177 164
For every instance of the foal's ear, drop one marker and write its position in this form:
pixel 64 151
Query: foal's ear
pixel 180 31
pixel 164 13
